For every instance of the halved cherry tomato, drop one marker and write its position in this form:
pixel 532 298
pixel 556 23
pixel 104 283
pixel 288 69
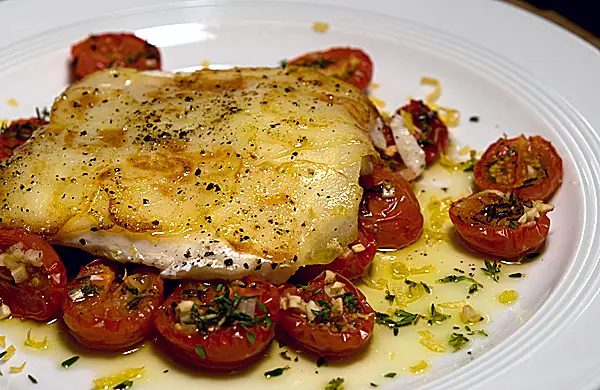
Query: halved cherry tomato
pixel 17 132
pixel 329 316
pixel 530 167
pixel 223 326
pixel 354 66
pixel 351 264
pixel 42 285
pixel 493 223
pixel 108 308
pixel 431 132
pixel 110 50
pixel 389 209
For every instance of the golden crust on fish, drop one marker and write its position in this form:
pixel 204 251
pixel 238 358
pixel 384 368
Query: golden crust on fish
pixel 210 174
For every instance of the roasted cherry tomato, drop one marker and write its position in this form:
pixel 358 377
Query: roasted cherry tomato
pixel 222 326
pixel 17 132
pixel 389 209
pixel 353 66
pixel 351 264
pixel 503 225
pixel 329 316
pixel 103 51
pixel 530 167
pixel 429 130
pixel 33 281
pixel 108 308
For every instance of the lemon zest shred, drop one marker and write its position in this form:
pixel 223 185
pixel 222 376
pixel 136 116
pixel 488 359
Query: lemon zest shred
pixel 320 27
pixel 37 344
pixel 426 338
pixel 378 102
pixel 10 351
pixel 419 368
pixel 508 296
pixel 452 304
pixel 113 380
pixel 2 341
pixel 450 116
pixel 15 369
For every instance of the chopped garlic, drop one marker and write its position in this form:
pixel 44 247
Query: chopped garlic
pixel 20 368
pixel 508 296
pixel 15 259
pixel 357 248
pixel 109 381
pixel 452 305
pixel 37 344
pixel 419 368
pixel 337 309
pixel 409 149
pixel 10 351
pixel 426 339
pixel 335 290
pixel 292 302
pixel 184 309
pixel 468 315
pixel 4 311
pixel 329 277
pixel 535 212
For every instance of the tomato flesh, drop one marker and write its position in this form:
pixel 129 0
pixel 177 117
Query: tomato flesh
pixel 330 333
pixel 109 50
pixel 353 66
pixel 351 264
pixel 489 222
pixel 17 133
pixel 432 133
pixel 389 209
pixel 40 296
pixel 107 310
pixel 222 326
pixel 530 167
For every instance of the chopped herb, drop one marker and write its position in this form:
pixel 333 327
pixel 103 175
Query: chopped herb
pixel 321 361
pixel 262 307
pixel 469 168
pixel 284 355
pixel 200 351
pixel 389 297
pixel 335 384
pixel 2 354
pixel 474 119
pixel 410 283
pixel 219 287
pixel 251 337
pixel 323 314
pixel 317 291
pixel 82 277
pixel 473 288
pixel 516 275
pixel 276 372
pixel 374 384
pixel 283 63
pixel 457 340
pixel 471 332
pixel 512 225
pixel 436 316
pixel 390 375
pixel 124 385
pixel 32 379
pixel 492 269
pixel 69 362
pixel 406 319
pixel 426 287
pixel 350 301
pixel 134 303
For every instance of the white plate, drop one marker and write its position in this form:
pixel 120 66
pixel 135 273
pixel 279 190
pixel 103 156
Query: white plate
pixel 496 76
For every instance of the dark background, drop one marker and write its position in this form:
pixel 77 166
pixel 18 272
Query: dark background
pixel 582 12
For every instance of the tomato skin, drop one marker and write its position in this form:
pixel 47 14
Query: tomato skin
pixel 319 338
pixel 501 241
pixel 108 319
pixel 353 66
pixel 226 348
pixel 434 133
pixel 39 300
pixel 514 156
pixel 112 50
pixel 350 265
pixel 17 133
pixel 395 221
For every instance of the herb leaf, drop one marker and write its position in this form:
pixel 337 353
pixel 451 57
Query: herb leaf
pixel 251 337
pixel 436 316
pixel 457 340
pixel 200 351
pixel 276 372
pixel 406 319
pixel 390 375
pixel 350 302
pixel 492 269
pixel 516 275
pixel 426 287
pixel 32 379
pixel 335 384
pixel 69 362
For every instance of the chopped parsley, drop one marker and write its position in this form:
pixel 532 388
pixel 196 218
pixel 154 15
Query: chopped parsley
pixel 350 301
pixel 276 372
pixel 335 384
pixel 251 337
pixel 405 319
pixel 390 375
pixel 69 362
pixel 512 225
pixel 457 340
pixel 473 288
pixel 325 312
pixel 200 351
pixel 492 269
